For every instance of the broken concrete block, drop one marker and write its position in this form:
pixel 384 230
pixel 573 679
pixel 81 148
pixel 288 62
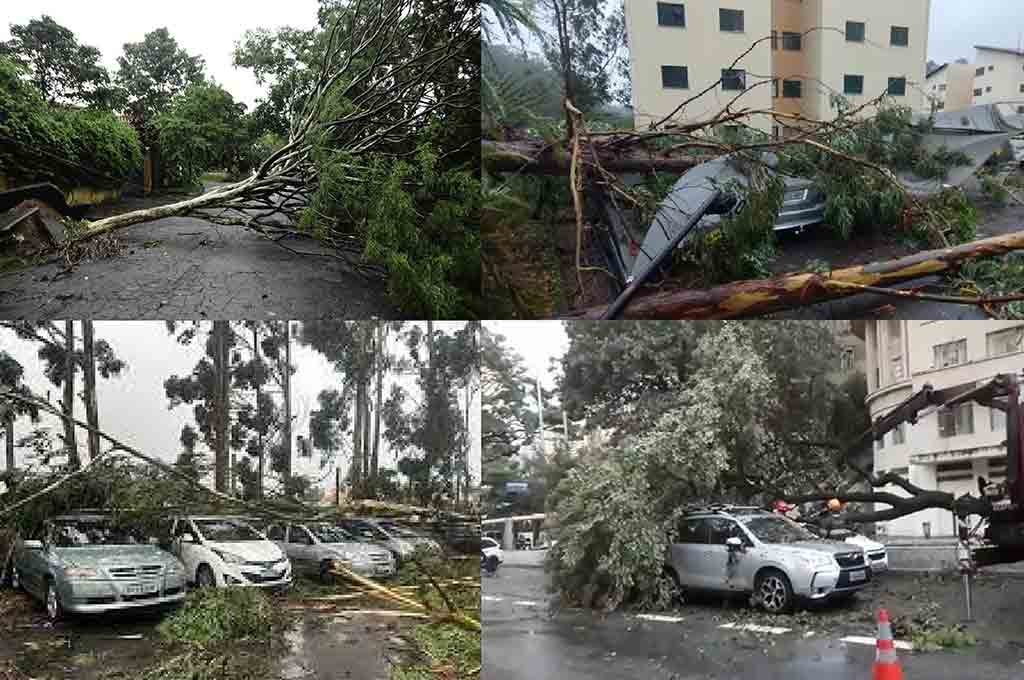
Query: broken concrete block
pixel 31 227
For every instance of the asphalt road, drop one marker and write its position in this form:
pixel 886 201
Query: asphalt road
pixel 523 640
pixel 181 267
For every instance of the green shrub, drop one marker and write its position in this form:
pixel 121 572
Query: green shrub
pixel 69 147
pixel 216 615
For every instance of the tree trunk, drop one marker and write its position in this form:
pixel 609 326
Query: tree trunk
pixel 357 438
pixel 759 297
pixel 537 157
pixel 9 440
pixel 367 430
pixel 69 394
pixel 381 349
pixel 221 368
pixel 89 370
pixel 259 388
pixel 287 401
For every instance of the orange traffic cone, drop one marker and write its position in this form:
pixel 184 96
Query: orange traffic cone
pixel 887 666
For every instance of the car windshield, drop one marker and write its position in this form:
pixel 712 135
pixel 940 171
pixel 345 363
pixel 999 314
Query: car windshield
pixel 358 527
pixel 226 530
pixel 396 530
pixel 90 532
pixel 776 529
pixel 327 533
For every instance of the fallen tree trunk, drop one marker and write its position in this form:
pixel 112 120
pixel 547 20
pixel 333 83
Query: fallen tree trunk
pixel 765 296
pixel 538 158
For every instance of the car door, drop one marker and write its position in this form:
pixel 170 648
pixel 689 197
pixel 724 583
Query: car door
pixel 740 565
pixel 277 533
pixel 687 552
pixel 300 548
pixel 187 552
pixel 715 564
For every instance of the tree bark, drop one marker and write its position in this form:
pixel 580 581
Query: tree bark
pixel 9 440
pixel 381 349
pixel 754 298
pixel 357 438
pixel 69 394
pixel 287 401
pixel 89 370
pixel 221 366
pixel 259 389
pixel 535 157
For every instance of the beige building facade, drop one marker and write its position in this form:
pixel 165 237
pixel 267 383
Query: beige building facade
pixel 809 50
pixel 999 76
pixel 950 86
pixel 947 449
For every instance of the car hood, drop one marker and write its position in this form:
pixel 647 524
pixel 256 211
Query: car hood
pixel 833 547
pixel 250 551
pixel 352 547
pixel 114 556
pixel 865 542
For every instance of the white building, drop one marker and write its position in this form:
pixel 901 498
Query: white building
pixel 999 76
pixel 793 56
pixel 950 86
pixel 947 449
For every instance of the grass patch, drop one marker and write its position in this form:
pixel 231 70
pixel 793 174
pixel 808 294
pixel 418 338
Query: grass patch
pixel 446 651
pixel 213 177
pixel 213 616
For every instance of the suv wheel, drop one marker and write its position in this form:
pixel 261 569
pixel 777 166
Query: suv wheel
pixel 671 580
pixel 327 576
pixel 774 592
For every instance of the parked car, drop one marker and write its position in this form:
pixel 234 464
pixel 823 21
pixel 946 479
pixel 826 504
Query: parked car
pixel 312 548
pixel 878 558
pixel 770 556
pixel 491 548
pixel 1017 147
pixel 88 564
pixel 417 538
pixel 228 551
pixel 370 531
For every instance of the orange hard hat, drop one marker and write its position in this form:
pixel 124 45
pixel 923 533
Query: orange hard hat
pixel 834 504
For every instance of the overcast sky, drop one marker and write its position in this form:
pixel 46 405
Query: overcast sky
pixel 959 25
pixel 208 28
pixel 134 407
pixel 537 342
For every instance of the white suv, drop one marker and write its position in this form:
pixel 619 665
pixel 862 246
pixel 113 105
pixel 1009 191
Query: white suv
pixel 227 551
pixel 748 550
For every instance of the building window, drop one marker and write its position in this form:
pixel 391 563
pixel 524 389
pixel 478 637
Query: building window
pixel 775 40
pixel 988 89
pixel 853 85
pixel 951 353
pixel 942 88
pixel 996 419
pixel 775 88
pixel 899 435
pixel 792 41
pixel 671 14
pixel 894 334
pixel 1006 341
pixel 897 87
pixel 731 20
pixel 991 68
pixel 675 77
pixel 954 472
pixel 941 106
pixel 899 36
pixel 846 359
pixel 977 93
pixel 734 79
pixel 956 420
pixel 792 89
pixel 854 31
pixel 980 71
pixel 997 468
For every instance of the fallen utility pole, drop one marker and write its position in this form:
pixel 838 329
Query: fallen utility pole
pixel 764 296
pixel 539 158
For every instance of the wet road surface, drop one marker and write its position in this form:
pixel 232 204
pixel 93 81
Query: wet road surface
pixel 183 267
pixel 523 640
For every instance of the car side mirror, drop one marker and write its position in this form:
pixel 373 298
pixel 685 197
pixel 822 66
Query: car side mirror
pixel 32 545
pixel 734 543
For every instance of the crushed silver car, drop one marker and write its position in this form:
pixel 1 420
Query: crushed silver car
pixel 88 564
pixel 752 551
pixel 313 547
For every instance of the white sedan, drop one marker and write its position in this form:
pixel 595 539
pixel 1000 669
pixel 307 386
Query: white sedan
pixel 227 551
pixel 874 551
pixel 491 547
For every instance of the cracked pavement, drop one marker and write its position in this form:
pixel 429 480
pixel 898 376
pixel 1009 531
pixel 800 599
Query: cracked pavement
pixel 184 267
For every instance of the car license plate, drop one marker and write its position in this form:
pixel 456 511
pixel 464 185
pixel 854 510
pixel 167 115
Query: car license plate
pixel 269 573
pixel 380 571
pixel 860 575
pixel 141 588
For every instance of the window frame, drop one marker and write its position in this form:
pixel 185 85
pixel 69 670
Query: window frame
pixel 892 80
pixel 685 71
pixel 863 31
pixel 846 88
pixel 788 37
pixel 671 6
pixel 962 359
pixel 799 91
pixel 724 12
pixel 892 36
pixel 742 78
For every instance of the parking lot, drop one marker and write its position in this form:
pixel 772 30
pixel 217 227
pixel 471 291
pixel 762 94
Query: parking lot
pixel 526 635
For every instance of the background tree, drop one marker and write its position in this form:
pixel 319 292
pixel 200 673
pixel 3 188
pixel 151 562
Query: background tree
pixel 64 71
pixel 11 378
pixel 150 73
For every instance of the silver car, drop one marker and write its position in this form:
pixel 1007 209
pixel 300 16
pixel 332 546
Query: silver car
pixel 765 554
pixel 313 547
pixel 370 531
pixel 418 539
pixel 87 564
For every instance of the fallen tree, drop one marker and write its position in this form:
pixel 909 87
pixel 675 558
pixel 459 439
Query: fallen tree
pixel 388 73
pixel 534 156
pixel 753 298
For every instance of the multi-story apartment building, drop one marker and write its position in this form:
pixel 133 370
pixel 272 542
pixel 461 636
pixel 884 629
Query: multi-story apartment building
pixel 999 76
pixel 950 86
pixel 947 449
pixel 792 55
